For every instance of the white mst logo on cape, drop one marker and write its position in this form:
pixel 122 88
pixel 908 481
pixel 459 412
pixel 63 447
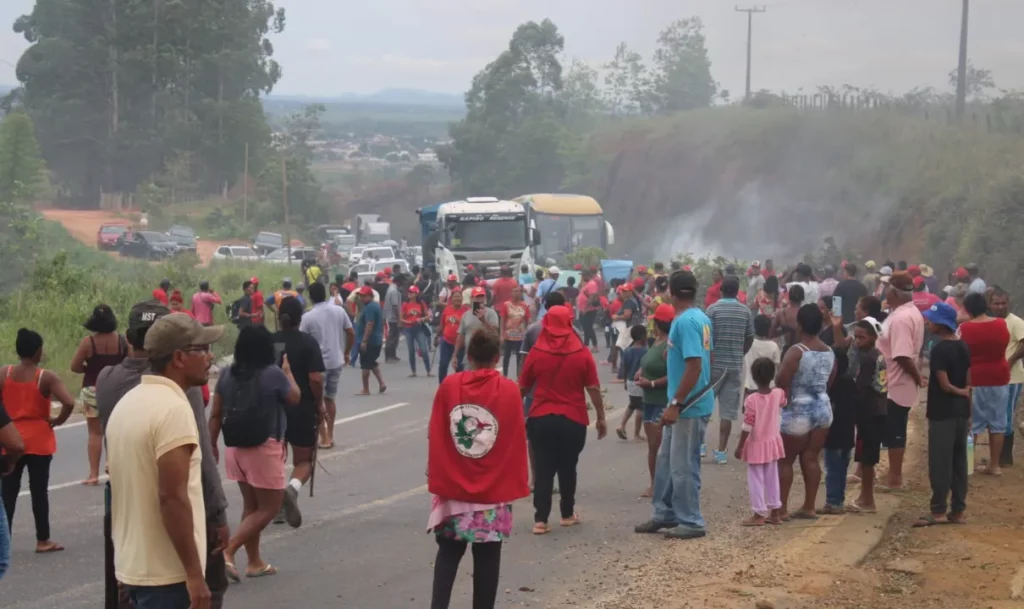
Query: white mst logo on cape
pixel 474 430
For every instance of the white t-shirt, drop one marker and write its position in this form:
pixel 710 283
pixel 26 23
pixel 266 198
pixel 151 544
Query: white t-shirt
pixel 327 324
pixel 811 292
pixel 760 348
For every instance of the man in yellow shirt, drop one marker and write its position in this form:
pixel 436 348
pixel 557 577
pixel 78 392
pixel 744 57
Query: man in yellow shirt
pixel 157 512
pixel 999 304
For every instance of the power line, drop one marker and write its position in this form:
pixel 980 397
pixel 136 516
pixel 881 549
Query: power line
pixel 750 35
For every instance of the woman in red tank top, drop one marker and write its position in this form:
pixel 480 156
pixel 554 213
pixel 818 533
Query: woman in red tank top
pixel 27 390
pixel 105 347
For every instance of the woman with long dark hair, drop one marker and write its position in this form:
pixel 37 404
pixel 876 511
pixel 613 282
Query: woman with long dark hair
pixel 26 391
pixel 476 468
pixel 105 347
pixel 806 373
pixel 249 407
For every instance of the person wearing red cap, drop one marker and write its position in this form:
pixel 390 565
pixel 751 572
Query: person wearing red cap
pixel 561 373
pixel 370 334
pixel 914 271
pixel 480 316
pixel 588 303
pixel 414 325
pixel 923 299
pixel 448 335
pixel 653 380
pixel 257 302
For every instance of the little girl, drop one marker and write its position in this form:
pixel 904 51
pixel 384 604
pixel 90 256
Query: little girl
pixel 761 444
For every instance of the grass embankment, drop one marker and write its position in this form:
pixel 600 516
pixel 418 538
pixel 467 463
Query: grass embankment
pixel 775 181
pixel 63 287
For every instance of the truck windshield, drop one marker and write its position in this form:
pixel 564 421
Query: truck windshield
pixel 486 235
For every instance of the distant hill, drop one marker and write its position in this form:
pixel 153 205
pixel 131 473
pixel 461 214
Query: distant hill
pixel 384 97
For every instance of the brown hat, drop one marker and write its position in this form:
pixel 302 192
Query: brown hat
pixel 179 331
pixel 901 280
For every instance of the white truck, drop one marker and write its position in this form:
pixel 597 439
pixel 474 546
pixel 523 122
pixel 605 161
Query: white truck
pixel 483 232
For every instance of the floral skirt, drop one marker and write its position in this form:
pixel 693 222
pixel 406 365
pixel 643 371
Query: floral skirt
pixel 482 526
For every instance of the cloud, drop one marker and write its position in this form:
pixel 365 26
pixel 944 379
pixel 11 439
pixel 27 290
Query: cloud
pixel 318 45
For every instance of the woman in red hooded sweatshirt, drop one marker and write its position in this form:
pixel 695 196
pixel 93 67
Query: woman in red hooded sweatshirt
pixel 561 373
pixel 476 468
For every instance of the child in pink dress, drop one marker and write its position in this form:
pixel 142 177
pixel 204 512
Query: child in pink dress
pixel 761 444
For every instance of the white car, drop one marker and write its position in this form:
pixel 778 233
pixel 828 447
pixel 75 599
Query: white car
pixel 280 256
pixel 369 270
pixel 377 252
pixel 236 253
pixel 355 253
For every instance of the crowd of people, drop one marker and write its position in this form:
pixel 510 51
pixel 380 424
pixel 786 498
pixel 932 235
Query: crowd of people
pixel 815 365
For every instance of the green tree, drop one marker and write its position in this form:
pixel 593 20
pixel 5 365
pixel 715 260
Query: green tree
pixel 979 81
pixel 22 170
pixel 305 202
pixel 508 142
pixel 682 69
pixel 627 83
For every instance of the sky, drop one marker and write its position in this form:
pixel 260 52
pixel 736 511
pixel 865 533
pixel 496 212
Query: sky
pixel 330 47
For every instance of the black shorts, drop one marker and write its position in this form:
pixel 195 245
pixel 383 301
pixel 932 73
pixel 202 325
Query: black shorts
pixel 301 430
pixel 636 402
pixel 368 357
pixel 896 425
pixel 870 434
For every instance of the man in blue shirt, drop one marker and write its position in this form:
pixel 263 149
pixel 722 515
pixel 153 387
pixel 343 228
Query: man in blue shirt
pixel 544 288
pixel 370 333
pixel 677 472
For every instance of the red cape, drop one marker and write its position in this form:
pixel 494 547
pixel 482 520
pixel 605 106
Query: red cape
pixel 477 440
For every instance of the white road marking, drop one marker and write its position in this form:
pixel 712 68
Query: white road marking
pixel 342 420
pixel 69 426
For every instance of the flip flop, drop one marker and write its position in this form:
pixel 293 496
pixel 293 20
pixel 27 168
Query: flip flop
pixel 571 522
pixel 956 519
pixel 854 508
pixel 50 549
pixel 985 470
pixel 541 528
pixel 881 488
pixel 232 572
pixel 268 569
pixel 750 522
pixel 327 446
pixel 928 521
pixel 622 434
pixel 91 482
pixel 383 388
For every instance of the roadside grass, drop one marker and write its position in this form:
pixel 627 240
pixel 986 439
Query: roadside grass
pixel 62 290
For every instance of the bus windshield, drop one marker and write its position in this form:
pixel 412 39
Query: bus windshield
pixel 560 235
pixel 480 235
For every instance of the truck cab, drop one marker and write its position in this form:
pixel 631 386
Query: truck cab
pixel 480 231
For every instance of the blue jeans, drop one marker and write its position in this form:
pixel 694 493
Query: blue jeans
pixel 677 474
pixel 445 352
pixel 173 596
pixel 416 338
pixel 837 462
pixel 5 544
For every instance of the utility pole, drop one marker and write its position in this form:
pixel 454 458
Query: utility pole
pixel 750 36
pixel 961 80
pixel 245 188
pixel 284 196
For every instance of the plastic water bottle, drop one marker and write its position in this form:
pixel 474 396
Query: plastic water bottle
pixel 970 453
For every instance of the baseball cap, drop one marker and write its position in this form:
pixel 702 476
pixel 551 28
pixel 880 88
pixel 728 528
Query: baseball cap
pixel 901 280
pixel 914 270
pixel 453 278
pixel 144 314
pixel 554 270
pixel 682 281
pixel 578 267
pixel 365 290
pixel 918 282
pixel 381 275
pixel 870 323
pixel 885 270
pixel 641 269
pixel 414 290
pixel 179 331
pixel 961 273
pixel 664 313
pixel 626 287
pixel 255 280
pixel 756 264
pixel 469 267
pixel 639 283
pixel 478 291
pixel 941 314
pixel 387 271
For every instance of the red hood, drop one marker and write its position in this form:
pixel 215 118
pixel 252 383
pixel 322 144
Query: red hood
pixel 557 335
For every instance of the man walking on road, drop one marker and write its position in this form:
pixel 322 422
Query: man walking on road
pixel 370 332
pixel 327 324
pixel 677 472
pixel 732 327
pixel 480 316
pixel 392 315
pixel 112 384
pixel 157 508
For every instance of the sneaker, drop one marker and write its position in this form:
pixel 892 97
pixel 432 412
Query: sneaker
pixel 685 532
pixel 291 507
pixel 652 526
pixel 720 458
pixel 703 451
pixel 280 519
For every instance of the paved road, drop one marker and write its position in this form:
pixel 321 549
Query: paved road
pixel 363 542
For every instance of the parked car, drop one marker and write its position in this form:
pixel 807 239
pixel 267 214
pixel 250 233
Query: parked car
pixel 108 235
pixel 369 269
pixel 280 256
pixel 266 242
pixel 184 237
pixel 235 253
pixel 355 254
pixel 148 245
pixel 375 252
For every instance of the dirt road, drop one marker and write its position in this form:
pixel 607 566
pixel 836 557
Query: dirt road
pixel 84 224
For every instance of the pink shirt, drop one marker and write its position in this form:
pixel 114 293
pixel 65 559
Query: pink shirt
pixel 924 300
pixel 762 419
pixel 588 289
pixel 902 336
pixel 202 306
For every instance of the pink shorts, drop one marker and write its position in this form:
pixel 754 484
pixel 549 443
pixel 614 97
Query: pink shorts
pixel 260 466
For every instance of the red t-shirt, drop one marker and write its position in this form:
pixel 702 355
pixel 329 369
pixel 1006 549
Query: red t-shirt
pixel 450 320
pixel 613 308
pixel 412 312
pixel 161 295
pixel 257 307
pixel 516 316
pixel 714 294
pixel 558 383
pixel 501 291
pixel 924 300
pixel 987 343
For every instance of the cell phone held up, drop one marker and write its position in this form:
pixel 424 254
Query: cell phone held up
pixel 476 307
pixel 837 306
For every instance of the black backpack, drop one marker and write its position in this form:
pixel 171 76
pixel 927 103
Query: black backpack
pixel 246 419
